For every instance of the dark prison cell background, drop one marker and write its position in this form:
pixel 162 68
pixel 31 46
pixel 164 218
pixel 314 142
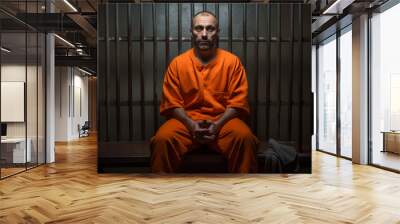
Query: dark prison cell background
pixel 137 41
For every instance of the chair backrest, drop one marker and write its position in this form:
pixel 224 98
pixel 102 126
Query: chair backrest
pixel 86 125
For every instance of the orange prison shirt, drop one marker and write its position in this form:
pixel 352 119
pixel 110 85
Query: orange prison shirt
pixel 205 91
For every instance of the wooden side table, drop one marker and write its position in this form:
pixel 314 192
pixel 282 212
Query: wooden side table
pixel 391 141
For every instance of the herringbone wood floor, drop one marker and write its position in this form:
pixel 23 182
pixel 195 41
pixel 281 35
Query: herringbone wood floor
pixel 71 191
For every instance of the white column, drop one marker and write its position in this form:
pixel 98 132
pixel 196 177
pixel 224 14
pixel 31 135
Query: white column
pixel 50 93
pixel 62 103
pixel 360 90
pixel 50 100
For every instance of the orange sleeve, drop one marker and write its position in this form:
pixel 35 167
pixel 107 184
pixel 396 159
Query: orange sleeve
pixel 171 96
pixel 238 89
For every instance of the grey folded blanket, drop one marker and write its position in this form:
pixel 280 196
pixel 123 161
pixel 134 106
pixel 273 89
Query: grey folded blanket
pixel 279 157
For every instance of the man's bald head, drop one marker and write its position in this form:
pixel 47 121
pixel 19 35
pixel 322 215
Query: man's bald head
pixel 205 34
pixel 205 13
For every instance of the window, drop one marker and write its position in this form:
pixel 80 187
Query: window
pixel 385 87
pixel 328 110
pixel 22 77
pixel 346 93
pixel 327 95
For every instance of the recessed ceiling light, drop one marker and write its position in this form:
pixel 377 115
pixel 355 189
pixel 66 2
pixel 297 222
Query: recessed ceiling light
pixel 338 6
pixel 5 50
pixel 70 5
pixel 84 71
pixel 65 41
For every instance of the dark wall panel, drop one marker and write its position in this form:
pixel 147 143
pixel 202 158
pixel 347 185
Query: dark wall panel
pixel 137 42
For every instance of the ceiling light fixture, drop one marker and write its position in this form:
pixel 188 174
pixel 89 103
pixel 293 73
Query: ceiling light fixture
pixel 65 41
pixel 5 50
pixel 70 5
pixel 337 7
pixel 84 71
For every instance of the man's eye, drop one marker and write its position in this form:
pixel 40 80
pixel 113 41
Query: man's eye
pixel 210 29
pixel 198 29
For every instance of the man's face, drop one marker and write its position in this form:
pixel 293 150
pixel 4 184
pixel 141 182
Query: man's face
pixel 205 32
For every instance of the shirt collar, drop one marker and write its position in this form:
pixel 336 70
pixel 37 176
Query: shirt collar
pixel 198 63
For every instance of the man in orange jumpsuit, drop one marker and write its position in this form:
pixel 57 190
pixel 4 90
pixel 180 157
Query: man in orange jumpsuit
pixel 204 95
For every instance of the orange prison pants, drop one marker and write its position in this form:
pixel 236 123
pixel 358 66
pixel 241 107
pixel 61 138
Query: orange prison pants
pixel 235 141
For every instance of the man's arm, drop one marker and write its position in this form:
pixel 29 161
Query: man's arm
pixel 180 114
pixel 214 127
pixel 171 95
pixel 229 114
pixel 198 133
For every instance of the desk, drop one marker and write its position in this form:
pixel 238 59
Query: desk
pixel 391 141
pixel 13 150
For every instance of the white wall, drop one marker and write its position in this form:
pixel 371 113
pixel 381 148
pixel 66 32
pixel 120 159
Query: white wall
pixel 12 73
pixel 33 127
pixel 61 103
pixel 71 103
pixel 16 72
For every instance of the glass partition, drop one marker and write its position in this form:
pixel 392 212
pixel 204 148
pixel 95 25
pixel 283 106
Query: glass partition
pixel 14 146
pixel 385 89
pixel 327 95
pixel 346 93
pixel 22 87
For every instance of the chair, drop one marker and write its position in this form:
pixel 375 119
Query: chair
pixel 84 130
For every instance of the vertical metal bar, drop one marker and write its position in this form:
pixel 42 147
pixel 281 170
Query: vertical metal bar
pixel 338 124
pixel 244 48
pixel 191 16
pixel 98 83
pixel 301 78
pixel 317 96
pixel 45 91
pixel 268 70
pixel 167 32
pixel 37 90
pixel 26 86
pixel 217 15
pixel 290 125
pixel 155 72
pixel 244 40
pixel 142 121
pixel 117 78
pixel 107 135
pixel 369 79
pixel 217 10
pixel 179 27
pixel 257 72
pixel 129 7
pixel 230 27
pixel 279 70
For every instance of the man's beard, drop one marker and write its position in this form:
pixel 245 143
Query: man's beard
pixel 205 45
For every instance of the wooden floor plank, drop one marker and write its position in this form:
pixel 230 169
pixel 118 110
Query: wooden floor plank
pixel 71 191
